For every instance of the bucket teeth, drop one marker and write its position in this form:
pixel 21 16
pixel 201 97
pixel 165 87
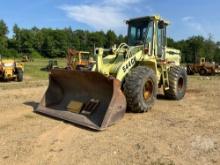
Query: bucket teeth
pixel 90 107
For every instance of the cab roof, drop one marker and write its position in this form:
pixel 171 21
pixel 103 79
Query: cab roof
pixel 147 18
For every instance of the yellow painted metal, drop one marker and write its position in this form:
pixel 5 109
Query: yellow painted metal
pixel 8 68
pixel 121 60
pixel 202 60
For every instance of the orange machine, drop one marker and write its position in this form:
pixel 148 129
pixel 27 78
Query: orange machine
pixel 79 60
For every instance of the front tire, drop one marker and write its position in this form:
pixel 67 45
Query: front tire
pixel 19 75
pixel 202 72
pixel 140 89
pixel 177 83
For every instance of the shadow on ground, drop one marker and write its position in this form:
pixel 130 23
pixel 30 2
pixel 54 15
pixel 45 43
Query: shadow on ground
pixel 162 97
pixel 32 104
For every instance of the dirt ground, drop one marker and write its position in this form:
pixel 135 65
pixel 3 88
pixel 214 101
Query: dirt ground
pixel 174 132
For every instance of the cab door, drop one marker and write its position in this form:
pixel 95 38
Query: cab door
pixel 161 40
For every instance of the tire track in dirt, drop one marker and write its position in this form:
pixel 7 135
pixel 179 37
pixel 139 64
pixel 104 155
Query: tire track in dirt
pixel 16 104
pixel 21 134
pixel 50 145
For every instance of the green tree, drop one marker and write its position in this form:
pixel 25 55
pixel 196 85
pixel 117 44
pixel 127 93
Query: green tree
pixel 3 36
pixel 111 38
pixel 121 39
pixel 17 38
pixel 3 29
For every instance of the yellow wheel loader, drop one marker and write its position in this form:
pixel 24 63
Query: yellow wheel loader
pixel 127 78
pixel 11 70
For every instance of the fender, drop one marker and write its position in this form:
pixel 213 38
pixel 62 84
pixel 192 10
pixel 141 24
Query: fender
pixel 128 65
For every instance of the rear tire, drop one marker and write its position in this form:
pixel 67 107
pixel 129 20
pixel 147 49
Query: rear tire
pixel 140 89
pixel 202 72
pixel 190 70
pixel 177 83
pixel 19 75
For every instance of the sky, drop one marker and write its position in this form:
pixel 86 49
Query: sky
pixel 187 17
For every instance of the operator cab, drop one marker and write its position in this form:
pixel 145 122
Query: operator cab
pixel 150 32
pixel 139 31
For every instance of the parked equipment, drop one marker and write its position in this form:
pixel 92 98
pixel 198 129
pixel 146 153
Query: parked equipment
pixel 203 68
pixel 52 64
pixel 79 60
pixel 11 70
pixel 27 58
pixel 128 76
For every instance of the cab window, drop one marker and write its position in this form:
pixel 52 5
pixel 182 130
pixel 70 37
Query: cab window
pixel 161 38
pixel 139 33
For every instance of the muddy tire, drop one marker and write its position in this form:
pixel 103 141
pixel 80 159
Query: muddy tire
pixel 19 75
pixel 190 70
pixel 177 83
pixel 202 72
pixel 140 89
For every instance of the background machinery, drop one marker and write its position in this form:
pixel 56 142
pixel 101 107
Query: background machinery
pixel 127 78
pixel 79 60
pixel 11 70
pixel 27 58
pixel 52 64
pixel 204 68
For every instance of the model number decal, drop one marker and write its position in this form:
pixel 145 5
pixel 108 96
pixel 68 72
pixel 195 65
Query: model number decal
pixel 129 65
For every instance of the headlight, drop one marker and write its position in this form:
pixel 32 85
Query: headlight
pixel 8 65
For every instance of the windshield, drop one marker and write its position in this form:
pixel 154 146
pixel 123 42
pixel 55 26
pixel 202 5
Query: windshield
pixel 85 56
pixel 139 33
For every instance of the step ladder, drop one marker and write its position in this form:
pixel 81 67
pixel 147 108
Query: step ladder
pixel 165 76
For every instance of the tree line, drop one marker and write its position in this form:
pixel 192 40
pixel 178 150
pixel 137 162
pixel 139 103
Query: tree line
pixel 195 47
pixel 53 43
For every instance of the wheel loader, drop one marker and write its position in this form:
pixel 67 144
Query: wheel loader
pixel 11 70
pixel 79 60
pixel 204 68
pixel 127 78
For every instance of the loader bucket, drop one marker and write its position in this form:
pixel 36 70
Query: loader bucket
pixel 84 98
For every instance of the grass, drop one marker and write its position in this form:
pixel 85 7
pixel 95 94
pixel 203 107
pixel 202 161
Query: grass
pixel 34 69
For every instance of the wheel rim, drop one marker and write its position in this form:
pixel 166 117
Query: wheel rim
pixel 148 90
pixel 180 83
pixel 203 72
